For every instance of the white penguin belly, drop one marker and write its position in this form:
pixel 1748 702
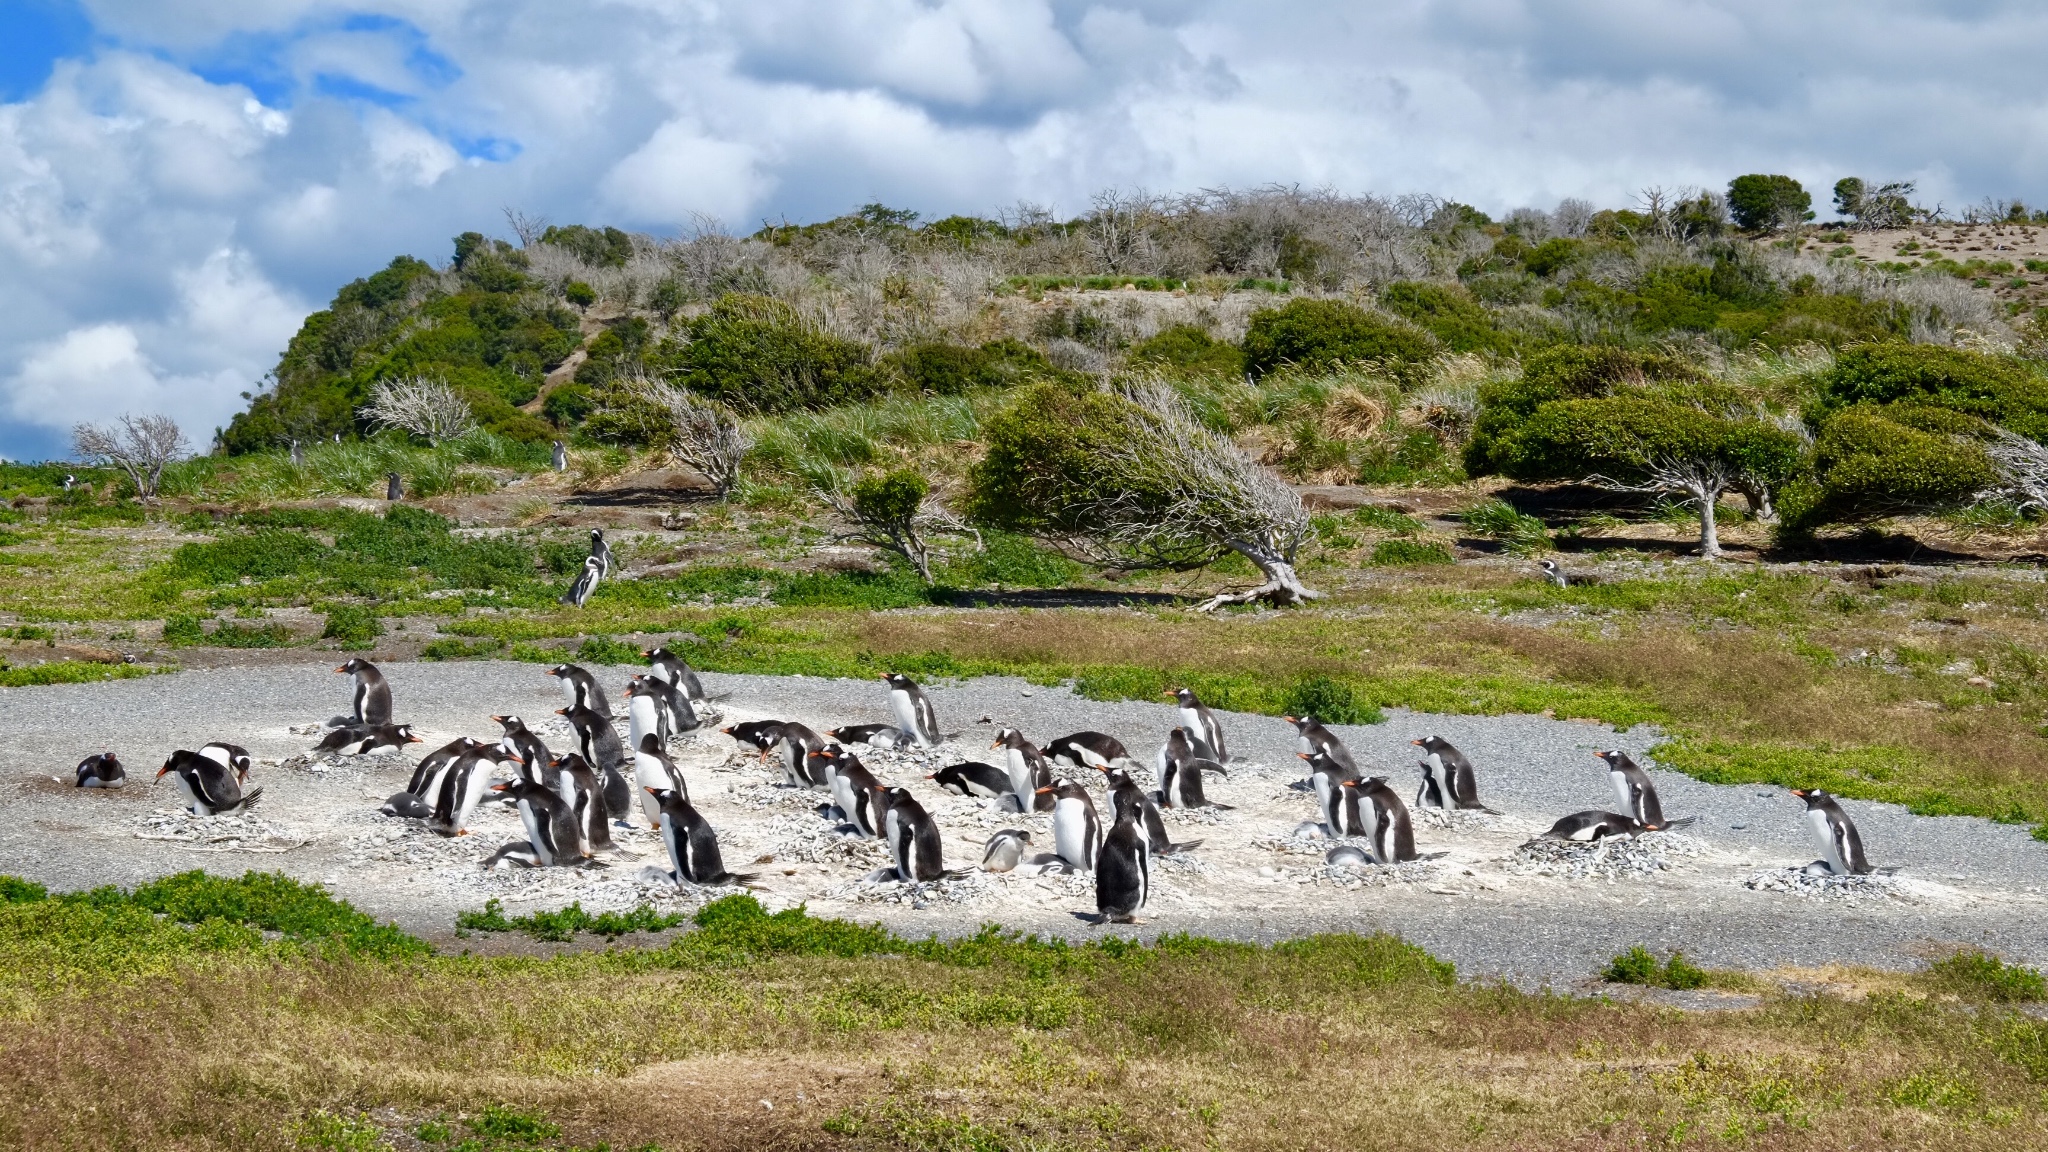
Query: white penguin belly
pixel 1824 832
pixel 641 721
pixel 1070 834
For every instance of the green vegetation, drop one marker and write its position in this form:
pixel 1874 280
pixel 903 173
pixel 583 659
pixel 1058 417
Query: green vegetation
pixel 565 923
pixel 1639 966
pixel 1978 976
pixel 1312 334
pixel 1766 203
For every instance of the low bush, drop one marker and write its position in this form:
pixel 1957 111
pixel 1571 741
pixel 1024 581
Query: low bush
pixel 1189 350
pixel 1329 700
pixel 1012 561
pixel 1996 389
pixel 1323 333
pixel 1449 313
pixel 564 924
pixel 230 634
pixel 1638 966
pixel 1866 465
pixel 759 354
pixel 353 625
pixel 1980 976
pixel 1398 552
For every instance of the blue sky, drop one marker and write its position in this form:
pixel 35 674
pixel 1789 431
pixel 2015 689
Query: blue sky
pixel 181 181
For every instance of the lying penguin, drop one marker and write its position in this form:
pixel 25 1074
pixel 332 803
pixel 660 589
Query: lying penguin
pixel 101 771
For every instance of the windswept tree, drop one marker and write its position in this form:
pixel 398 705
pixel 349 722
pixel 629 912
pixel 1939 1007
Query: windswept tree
pixel 1134 478
pixel 895 511
pixel 141 446
pixel 699 433
pixel 425 407
pixel 1767 203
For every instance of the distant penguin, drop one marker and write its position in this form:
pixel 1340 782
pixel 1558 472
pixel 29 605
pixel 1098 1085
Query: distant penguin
pixel 70 481
pixel 1635 794
pixel 692 844
pixel 363 739
pixel 1312 737
pixel 1553 573
pixel 663 664
pixel 1339 805
pixel 1200 722
pixel 912 835
pixel 581 688
pixel 585 586
pixel 210 787
pixel 855 791
pixel 1124 794
pixel 913 709
pixel 1087 750
pixel 576 782
pixel 653 771
pixel 1027 769
pixel 973 778
pixel 520 741
pixel 370 694
pixel 1184 745
pixel 1004 850
pixel 337 437
pixel 393 489
pixel 551 838
pixel 1456 782
pixel 298 455
pixel 1393 832
pixel 1841 848
pixel 599 744
pixel 600 552
pixel 796 744
pixel 1123 871
pixel 1076 829
pixel 884 736
pixel 1593 825
pixel 558 459
pixel 763 736
pixel 101 771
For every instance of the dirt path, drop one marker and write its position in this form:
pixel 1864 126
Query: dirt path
pixel 1492 909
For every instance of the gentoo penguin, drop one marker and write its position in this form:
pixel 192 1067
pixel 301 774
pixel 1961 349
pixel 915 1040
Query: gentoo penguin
pixel 101 771
pixel 462 786
pixel 426 774
pixel 973 778
pixel 797 742
pixel 1076 829
pixel 1339 805
pixel 600 552
pixel 913 837
pixel 210 787
pixel 663 664
pixel 585 586
pixel 558 458
pixel 232 757
pixel 406 804
pixel 550 827
pixel 1200 722
pixel 1593 825
pixel 1028 771
pixel 1841 849
pixel 298 455
pixel 853 789
pixel 372 696
pixel 884 736
pixel 393 490
pixel 654 772
pixel 913 710
pixel 363 739
pixel 1635 794
pixel 1347 855
pixel 520 741
pixel 1393 833
pixel 577 784
pixel 692 844
pixel 1087 750
pixel 645 715
pixel 581 688
pixel 1004 850
pixel 1180 786
pixel 1313 737
pixel 677 714
pixel 1124 794
pixel 1451 782
pixel 760 735
pixel 1182 744
pixel 1123 871
pixel 599 743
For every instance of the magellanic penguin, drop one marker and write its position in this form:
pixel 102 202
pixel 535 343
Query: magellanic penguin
pixel 1841 849
pixel 298 455
pixel 692 844
pixel 884 736
pixel 1553 572
pixel 558 457
pixel 1635 794
pixel 533 754
pixel 1124 794
pixel 1339 804
pixel 761 735
pixel 1200 722
pixel 1593 825
pixel 1123 871
pixel 1004 850
pixel 1028 771
pixel 913 837
pixel 599 743
pixel 1076 829
pixel 577 785
pixel 210 787
pixel 371 695
pixel 853 790
pixel 1451 782
pixel 1087 750
pixel 1314 737
pixel 585 587
pixel 600 552
pixel 1180 785
pixel 913 709
pixel 102 770
pixel 581 689
pixel 1393 833
pixel 363 739
pixel 796 743
pixel 654 772
pixel 551 838
pixel 973 778
pixel 666 665
pixel 645 715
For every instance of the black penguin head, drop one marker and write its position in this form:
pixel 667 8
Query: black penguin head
pixel 1117 777
pixel 1616 760
pixel 1433 743
pixel 1184 695
pixel 355 664
pixel 1008 738
pixel 1814 797
pixel 510 722
pixel 1304 722
pixel 898 680
pixel 405 733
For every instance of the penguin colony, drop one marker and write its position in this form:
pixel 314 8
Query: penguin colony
pixel 569 799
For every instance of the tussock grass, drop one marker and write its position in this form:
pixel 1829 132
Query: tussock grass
pixel 354 468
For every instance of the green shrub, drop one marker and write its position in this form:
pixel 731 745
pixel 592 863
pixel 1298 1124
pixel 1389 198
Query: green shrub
pixel 759 354
pixel 272 902
pixel 1189 350
pixel 1984 977
pixel 1012 560
pixel 603 247
pixel 1039 464
pixel 1329 700
pixel 1324 333
pixel 952 369
pixel 569 404
pixel 1398 552
pixel 1386 520
pixel 229 634
pixel 1448 312
pixel 1867 465
pixel 1638 966
pixel 578 293
pixel 1761 203
pixel 354 625
pixel 565 924
pixel 1926 376
pixel 1569 372
pixel 183 629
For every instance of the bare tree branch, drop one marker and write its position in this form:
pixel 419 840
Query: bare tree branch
pixel 424 407
pixel 2023 463
pixel 139 445
pixel 698 433
pixel 1699 480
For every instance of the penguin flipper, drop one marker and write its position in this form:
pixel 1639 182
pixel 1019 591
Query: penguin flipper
pixel 248 800
pixel 1177 849
pixel 1680 822
pixel 1221 807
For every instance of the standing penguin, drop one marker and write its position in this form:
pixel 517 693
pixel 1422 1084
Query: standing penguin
pixel 1339 804
pixel 1028 771
pixel 101 771
pixel 1635 794
pixel 599 743
pixel 1841 848
pixel 692 843
pixel 581 688
pixel 393 490
pixel 1125 795
pixel 913 710
pixel 1076 829
pixel 600 552
pixel 370 693
pixel 645 715
pixel 462 787
pixel 1313 737
pixel 1123 871
pixel 1087 750
pixel 666 665
pixel 1180 786
pixel 912 835
pixel 1393 833
pixel 1200 722
pixel 551 838
pixel 558 458
pixel 71 481
pixel 585 586
pixel 653 772
pixel 209 786
pixel 1553 573
pixel 577 784
pixel 298 455
pixel 854 790
pixel 533 755
pixel 1182 744
pixel 426 774
pixel 796 743
pixel 678 715
pixel 1456 782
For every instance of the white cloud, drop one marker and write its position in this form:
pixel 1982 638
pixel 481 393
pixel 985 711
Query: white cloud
pixel 681 171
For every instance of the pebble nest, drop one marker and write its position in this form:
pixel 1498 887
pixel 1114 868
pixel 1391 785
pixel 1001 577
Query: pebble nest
pixel 1615 858
pixel 1828 886
pixel 240 832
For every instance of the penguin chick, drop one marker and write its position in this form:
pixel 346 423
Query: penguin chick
pixel 101 771
pixel 1004 850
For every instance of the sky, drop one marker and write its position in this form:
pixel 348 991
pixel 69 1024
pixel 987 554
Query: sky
pixel 182 181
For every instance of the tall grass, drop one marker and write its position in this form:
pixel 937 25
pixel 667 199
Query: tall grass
pixel 355 468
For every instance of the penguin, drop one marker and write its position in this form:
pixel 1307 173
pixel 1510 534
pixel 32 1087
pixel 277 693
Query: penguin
pixel 1087 750
pixel 71 481
pixel 1180 786
pixel 853 789
pixel 654 772
pixel 1004 850
pixel 600 552
pixel 533 754
pixel 678 711
pixel 599 743
pixel 210 787
pixel 885 736
pixel 797 743
pixel 913 837
pixel 426 774
pixel 1184 745
pixel 760 735
pixel 406 804
pixel 1199 721
pixel 372 696
pixel 1076 829
pixel 1028 771
pixel 1124 793
pixel 585 586
pixel 663 664
pixel 582 690
pixel 558 458
pixel 1553 573
pixel 1339 804
pixel 913 710
pixel 102 771
pixel 1347 856
pixel 232 757
pixel 1312 737
pixel 298 455
pixel 462 787
pixel 1456 784
pixel 645 715
pixel 1635 794
pixel 692 844
pixel 361 740
pixel 1123 871
pixel 577 785
pixel 1841 848
pixel 337 437
pixel 1393 833
pixel 550 827
pixel 974 778
pixel 393 490
pixel 1593 825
